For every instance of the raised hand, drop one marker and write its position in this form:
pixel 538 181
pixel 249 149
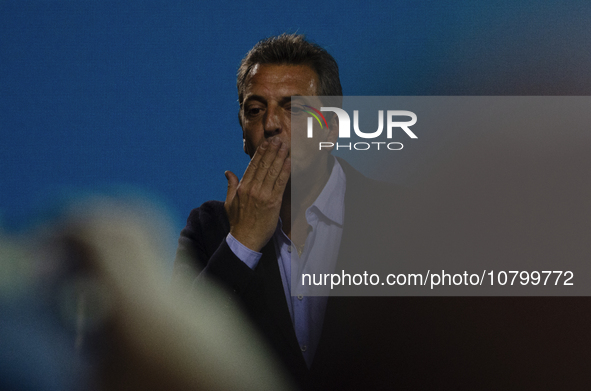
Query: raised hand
pixel 253 204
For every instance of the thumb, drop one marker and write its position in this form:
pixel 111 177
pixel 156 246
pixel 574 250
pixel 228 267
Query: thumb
pixel 232 185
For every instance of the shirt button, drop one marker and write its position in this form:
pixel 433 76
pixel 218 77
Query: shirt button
pixel 300 297
pixel 289 249
pixel 303 347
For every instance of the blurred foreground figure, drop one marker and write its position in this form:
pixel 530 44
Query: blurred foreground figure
pixel 120 326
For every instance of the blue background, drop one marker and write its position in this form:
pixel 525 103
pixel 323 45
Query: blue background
pixel 104 94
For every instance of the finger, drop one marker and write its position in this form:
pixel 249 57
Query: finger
pixel 283 178
pixel 267 160
pixel 255 162
pixel 232 185
pixel 275 169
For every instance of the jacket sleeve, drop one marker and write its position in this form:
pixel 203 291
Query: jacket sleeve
pixel 204 254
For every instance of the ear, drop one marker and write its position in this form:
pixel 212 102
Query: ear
pixel 244 144
pixel 243 139
pixel 332 134
pixel 333 129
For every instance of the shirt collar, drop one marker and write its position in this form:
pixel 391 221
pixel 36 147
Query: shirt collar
pixel 331 201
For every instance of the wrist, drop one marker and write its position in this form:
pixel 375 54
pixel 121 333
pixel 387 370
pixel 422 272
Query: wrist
pixel 248 241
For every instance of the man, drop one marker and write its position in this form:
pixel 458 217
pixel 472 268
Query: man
pixel 246 242
pixel 353 343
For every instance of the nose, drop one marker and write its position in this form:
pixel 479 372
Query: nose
pixel 272 123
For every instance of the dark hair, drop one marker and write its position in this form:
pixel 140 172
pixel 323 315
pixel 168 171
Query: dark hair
pixel 292 49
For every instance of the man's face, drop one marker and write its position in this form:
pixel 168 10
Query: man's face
pixel 267 107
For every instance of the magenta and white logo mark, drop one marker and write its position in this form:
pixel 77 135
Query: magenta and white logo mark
pixel 393 122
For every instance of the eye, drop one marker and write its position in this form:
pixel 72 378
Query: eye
pixel 296 109
pixel 252 111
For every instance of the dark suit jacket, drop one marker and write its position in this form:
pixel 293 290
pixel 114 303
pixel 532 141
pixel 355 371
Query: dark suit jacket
pixel 398 342
pixel 261 294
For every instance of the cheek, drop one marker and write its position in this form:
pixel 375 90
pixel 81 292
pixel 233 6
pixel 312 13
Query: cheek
pixel 251 143
pixel 249 148
pixel 250 132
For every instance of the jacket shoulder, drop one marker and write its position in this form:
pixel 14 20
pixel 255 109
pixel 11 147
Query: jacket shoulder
pixel 206 228
pixel 209 215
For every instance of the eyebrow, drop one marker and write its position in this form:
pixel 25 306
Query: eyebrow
pixel 298 100
pixel 255 97
pixel 283 101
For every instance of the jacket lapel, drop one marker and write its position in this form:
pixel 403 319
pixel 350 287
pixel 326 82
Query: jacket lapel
pixel 275 297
